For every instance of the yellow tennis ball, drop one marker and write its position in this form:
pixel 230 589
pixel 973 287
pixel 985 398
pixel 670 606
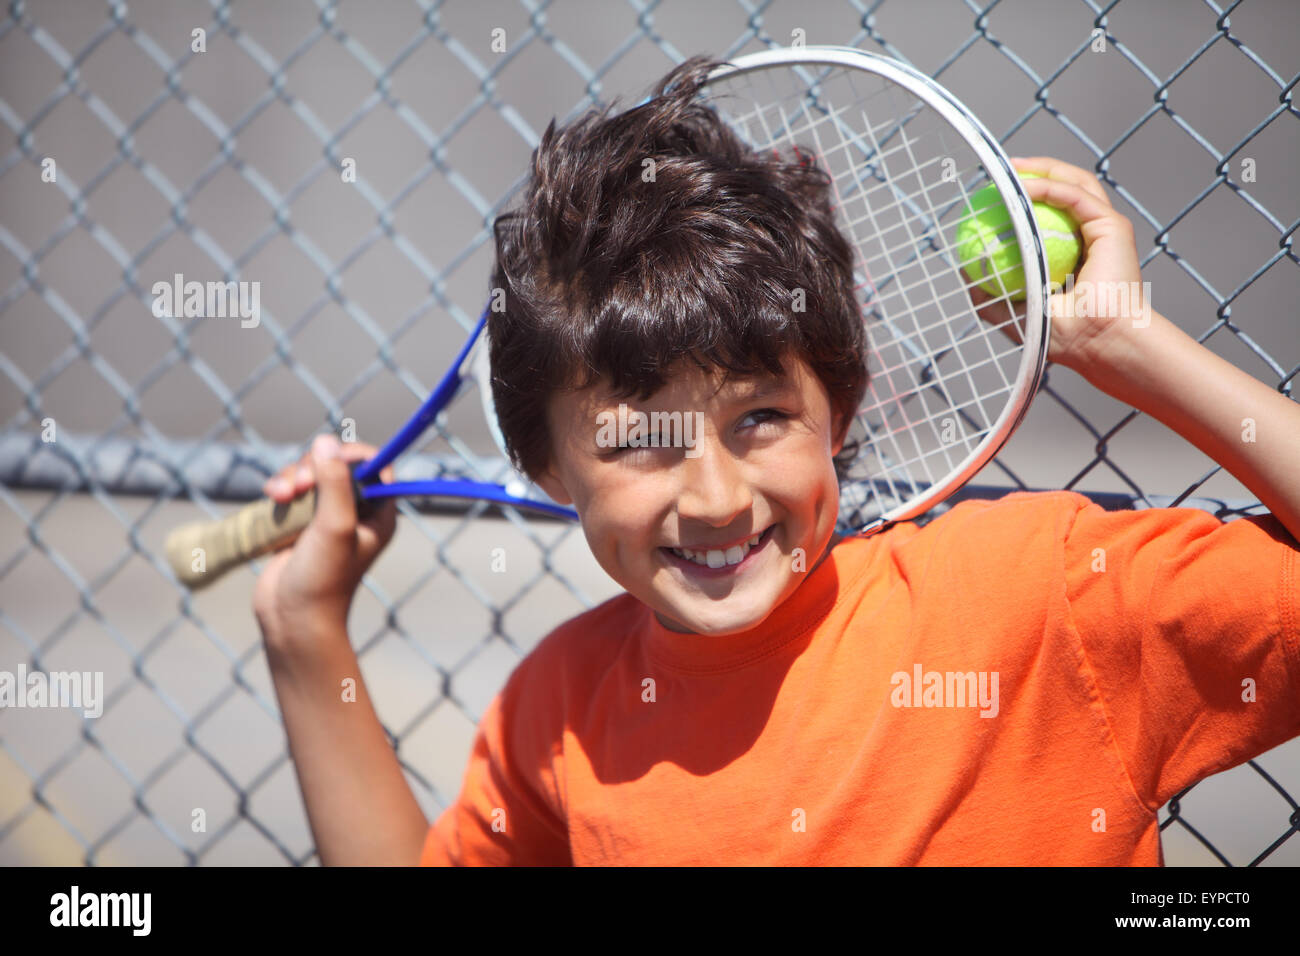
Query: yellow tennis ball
pixel 987 250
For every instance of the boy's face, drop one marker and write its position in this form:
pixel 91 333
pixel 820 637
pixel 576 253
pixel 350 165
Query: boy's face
pixel 754 462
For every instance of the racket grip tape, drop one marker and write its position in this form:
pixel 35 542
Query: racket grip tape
pixel 202 551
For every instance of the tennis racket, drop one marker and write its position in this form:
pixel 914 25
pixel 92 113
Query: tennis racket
pixel 947 386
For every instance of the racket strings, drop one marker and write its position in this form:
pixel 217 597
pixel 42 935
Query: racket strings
pixel 936 401
pixel 937 223
pixel 940 374
pixel 829 156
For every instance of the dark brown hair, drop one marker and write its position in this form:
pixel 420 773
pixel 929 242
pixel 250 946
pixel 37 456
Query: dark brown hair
pixel 606 277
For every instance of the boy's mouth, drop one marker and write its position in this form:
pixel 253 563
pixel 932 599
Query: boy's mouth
pixel 713 562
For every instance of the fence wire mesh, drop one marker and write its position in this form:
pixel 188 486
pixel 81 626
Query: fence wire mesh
pixel 140 153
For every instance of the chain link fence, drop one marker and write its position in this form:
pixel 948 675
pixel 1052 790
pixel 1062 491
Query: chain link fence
pixel 349 158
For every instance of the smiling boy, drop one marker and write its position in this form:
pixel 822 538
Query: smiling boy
pixel 1020 681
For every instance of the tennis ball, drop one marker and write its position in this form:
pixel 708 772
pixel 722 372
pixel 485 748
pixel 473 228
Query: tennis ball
pixel 986 243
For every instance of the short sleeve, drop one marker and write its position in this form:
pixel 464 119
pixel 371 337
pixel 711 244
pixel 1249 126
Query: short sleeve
pixel 1189 626
pixel 501 817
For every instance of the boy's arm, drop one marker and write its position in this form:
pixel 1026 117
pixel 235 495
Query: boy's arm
pixel 1105 330
pixel 359 805
pixel 1241 423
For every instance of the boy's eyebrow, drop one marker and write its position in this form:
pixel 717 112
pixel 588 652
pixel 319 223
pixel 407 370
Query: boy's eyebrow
pixel 760 388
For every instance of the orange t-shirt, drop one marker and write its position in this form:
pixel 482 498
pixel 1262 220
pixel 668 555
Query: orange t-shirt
pixel 1102 662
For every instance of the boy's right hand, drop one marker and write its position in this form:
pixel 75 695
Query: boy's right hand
pixel 307 589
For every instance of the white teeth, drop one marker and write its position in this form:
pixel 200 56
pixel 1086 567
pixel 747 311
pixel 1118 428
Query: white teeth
pixel 715 558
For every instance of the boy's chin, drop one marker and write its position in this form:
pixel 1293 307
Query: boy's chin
pixel 731 615
pixel 718 602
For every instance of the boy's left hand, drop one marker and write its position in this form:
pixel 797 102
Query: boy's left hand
pixel 1091 324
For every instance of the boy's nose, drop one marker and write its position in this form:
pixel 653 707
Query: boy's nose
pixel 713 490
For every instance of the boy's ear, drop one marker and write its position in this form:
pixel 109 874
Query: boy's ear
pixel 552 485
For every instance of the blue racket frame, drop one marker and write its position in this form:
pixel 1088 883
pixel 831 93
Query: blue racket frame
pixel 366 475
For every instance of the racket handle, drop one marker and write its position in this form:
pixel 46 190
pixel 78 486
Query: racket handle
pixel 217 546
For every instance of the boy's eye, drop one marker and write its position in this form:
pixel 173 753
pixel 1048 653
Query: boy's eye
pixel 646 441
pixel 762 416
pixel 757 418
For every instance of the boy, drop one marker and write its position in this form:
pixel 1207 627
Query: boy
pixel 1022 681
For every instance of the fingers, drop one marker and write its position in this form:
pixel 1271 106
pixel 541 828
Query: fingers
pixel 1063 172
pixel 1077 201
pixel 336 510
pixel 295 478
pixel 1109 246
pixel 280 485
pixel 336 520
pixel 377 529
